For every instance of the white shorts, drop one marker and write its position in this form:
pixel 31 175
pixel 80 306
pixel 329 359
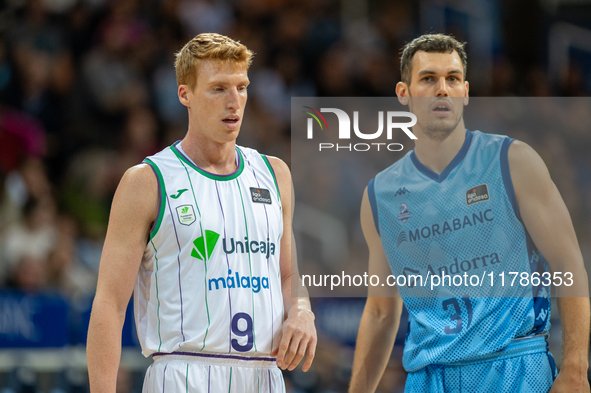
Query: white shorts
pixel 213 373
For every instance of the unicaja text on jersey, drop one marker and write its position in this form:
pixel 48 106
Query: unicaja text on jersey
pixel 246 246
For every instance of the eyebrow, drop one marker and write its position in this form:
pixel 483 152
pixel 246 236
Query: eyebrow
pixel 429 72
pixel 225 83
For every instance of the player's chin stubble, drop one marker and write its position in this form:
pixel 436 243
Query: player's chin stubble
pixel 438 129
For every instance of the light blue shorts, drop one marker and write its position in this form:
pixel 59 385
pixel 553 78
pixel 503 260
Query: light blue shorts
pixel 534 372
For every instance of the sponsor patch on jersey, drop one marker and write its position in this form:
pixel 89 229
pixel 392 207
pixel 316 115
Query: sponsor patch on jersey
pixel 404 213
pixel 477 194
pixel 260 195
pixel 186 214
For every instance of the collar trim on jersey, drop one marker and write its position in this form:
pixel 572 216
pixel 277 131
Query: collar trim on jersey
pixel 455 162
pixel 210 175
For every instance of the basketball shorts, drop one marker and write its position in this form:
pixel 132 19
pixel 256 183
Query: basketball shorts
pixel 529 373
pixel 213 373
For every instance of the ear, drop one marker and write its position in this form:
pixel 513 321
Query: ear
pixel 467 96
pixel 183 93
pixel 402 93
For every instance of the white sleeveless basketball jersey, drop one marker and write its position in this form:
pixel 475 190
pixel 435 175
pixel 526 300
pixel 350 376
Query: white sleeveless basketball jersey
pixel 210 278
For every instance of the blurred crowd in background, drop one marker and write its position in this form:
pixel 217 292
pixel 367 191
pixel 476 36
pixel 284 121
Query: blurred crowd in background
pixel 88 89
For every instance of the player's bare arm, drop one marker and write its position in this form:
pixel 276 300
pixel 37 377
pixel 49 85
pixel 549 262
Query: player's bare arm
pixel 133 211
pixel 548 222
pixel 381 315
pixel 298 334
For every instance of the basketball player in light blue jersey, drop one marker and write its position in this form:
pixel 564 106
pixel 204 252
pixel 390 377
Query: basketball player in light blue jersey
pixel 201 232
pixel 466 201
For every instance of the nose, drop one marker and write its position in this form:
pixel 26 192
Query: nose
pixel 441 88
pixel 233 99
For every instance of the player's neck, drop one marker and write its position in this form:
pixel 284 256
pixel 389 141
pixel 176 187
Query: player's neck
pixel 437 154
pixel 211 156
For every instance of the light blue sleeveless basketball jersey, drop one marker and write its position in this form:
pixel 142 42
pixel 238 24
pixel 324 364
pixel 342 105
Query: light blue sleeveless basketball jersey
pixel 464 220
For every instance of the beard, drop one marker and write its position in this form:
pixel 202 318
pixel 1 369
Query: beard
pixel 439 130
pixel 436 128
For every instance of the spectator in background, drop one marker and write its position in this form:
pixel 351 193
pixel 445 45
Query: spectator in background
pixel 138 139
pixel 30 274
pixel 27 244
pixel 66 273
pixel 115 83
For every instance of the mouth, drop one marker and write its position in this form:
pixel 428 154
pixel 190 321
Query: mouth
pixel 441 107
pixel 231 119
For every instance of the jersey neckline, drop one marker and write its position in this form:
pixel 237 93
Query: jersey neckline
pixel 454 163
pixel 207 174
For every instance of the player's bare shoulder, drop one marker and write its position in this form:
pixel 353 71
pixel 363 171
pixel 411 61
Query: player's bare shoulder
pixel 528 171
pixel 136 197
pixel 140 175
pixel 521 154
pixel 139 179
pixel 280 167
pixel 282 174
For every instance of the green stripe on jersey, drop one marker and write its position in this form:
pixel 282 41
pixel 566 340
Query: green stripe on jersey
pixel 230 385
pixel 187 379
pixel 162 190
pixel 272 174
pixel 211 175
pixel 258 380
pixel 157 297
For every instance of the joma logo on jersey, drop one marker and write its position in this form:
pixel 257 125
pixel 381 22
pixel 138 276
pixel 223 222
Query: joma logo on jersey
pixel 178 194
pixel 401 191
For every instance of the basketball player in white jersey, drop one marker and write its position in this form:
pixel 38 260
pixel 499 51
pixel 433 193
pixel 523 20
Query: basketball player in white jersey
pixel 202 230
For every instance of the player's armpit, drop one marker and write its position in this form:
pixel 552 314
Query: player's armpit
pixel 546 217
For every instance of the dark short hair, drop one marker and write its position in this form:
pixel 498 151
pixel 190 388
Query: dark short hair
pixel 441 43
